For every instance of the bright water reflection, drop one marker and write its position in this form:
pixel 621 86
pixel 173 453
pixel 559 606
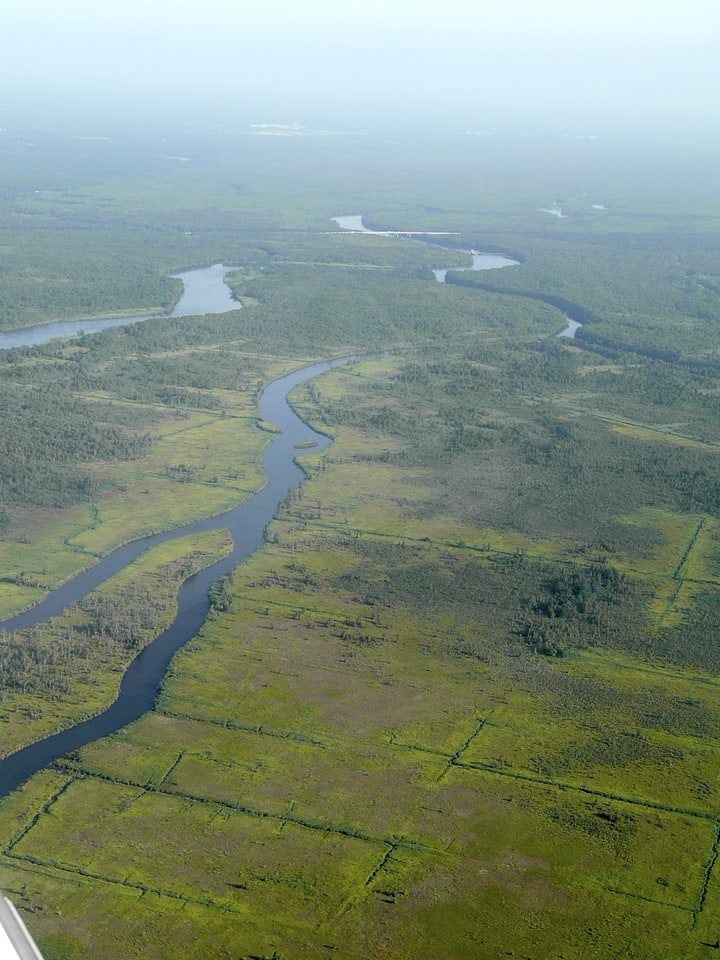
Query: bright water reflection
pixel 205 292
pixel 480 261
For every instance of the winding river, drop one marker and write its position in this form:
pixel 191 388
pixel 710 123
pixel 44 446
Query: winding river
pixel 480 261
pixel 246 524
pixel 204 293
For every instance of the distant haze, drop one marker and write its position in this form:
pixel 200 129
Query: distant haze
pixel 635 65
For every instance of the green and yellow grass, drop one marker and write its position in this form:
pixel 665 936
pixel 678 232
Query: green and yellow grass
pixel 361 757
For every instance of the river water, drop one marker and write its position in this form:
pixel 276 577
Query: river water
pixel 571 329
pixel 480 261
pixel 205 292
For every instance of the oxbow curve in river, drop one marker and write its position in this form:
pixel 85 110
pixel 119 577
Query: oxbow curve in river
pixel 480 262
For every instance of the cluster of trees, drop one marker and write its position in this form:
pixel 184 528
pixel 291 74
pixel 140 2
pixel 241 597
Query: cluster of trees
pixel 572 608
pixel 28 299
pixel 29 664
pixel 64 410
pixel 48 438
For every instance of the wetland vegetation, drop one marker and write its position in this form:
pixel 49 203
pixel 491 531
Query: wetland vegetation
pixel 465 701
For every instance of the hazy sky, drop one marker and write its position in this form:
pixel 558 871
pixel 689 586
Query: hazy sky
pixel 646 62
